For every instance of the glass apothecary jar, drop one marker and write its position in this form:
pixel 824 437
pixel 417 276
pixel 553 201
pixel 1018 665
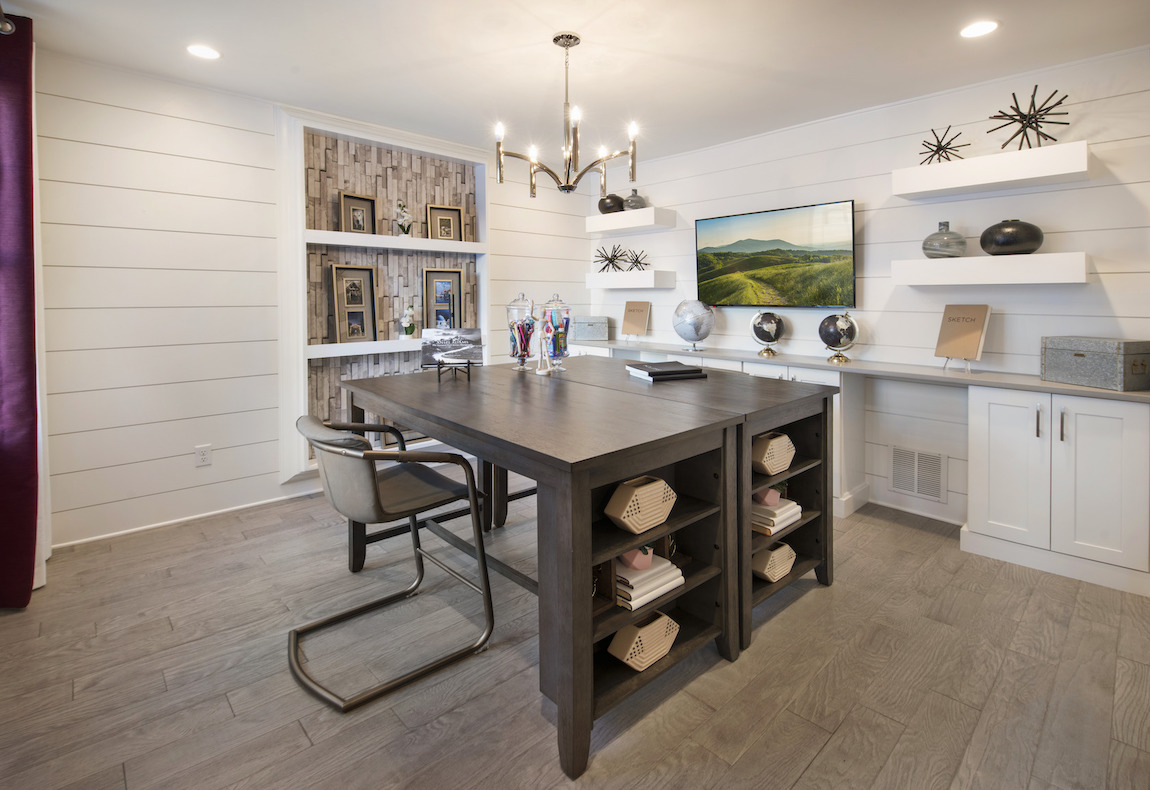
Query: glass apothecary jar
pixel 521 328
pixel 554 323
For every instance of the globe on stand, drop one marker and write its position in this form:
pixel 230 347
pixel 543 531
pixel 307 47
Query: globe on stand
pixel 693 321
pixel 839 332
pixel 767 329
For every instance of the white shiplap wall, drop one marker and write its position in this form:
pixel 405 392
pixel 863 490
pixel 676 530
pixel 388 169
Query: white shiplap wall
pixel 851 157
pixel 538 246
pixel 159 255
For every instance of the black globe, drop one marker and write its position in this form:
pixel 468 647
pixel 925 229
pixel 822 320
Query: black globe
pixel 839 332
pixel 767 328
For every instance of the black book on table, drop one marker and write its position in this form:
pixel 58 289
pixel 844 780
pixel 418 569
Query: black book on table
pixel 662 369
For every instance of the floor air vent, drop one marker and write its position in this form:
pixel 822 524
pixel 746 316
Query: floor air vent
pixel 918 474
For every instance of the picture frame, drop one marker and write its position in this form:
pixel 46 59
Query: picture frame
pixel 356 213
pixel 442 298
pixel 445 223
pixel 353 303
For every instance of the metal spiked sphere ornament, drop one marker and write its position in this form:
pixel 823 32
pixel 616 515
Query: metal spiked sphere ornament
pixel 1031 119
pixel 610 260
pixel 637 259
pixel 942 149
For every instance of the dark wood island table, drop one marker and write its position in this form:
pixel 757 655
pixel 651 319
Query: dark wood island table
pixel 580 432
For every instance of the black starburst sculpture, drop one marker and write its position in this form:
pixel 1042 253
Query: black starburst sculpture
pixel 942 149
pixel 610 260
pixel 1030 120
pixel 638 260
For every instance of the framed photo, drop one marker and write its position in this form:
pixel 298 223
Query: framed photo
pixel 442 298
pixel 353 302
pixel 445 223
pixel 356 213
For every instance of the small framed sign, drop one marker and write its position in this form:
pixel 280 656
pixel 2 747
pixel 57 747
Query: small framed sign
pixel 963 331
pixel 353 301
pixel 445 223
pixel 356 213
pixel 635 316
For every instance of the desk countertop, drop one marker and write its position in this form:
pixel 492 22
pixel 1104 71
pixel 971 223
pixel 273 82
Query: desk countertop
pixel 927 374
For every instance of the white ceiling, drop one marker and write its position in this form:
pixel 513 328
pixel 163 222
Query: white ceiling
pixel 692 73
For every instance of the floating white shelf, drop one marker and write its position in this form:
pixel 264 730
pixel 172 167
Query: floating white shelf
pixel 1053 164
pixel 633 221
pixel 647 278
pixel 332 350
pixel 337 238
pixel 1055 267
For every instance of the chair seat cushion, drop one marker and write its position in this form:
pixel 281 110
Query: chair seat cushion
pixel 407 488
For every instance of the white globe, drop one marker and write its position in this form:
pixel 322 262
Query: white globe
pixel 693 320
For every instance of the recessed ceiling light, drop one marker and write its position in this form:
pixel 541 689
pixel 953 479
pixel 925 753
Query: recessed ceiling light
pixel 203 51
pixel 976 29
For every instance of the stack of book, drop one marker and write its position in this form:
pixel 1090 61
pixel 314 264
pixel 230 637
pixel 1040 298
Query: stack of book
pixel 664 371
pixel 634 588
pixel 772 519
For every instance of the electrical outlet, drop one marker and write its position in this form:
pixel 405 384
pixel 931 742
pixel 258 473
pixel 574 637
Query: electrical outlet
pixel 203 454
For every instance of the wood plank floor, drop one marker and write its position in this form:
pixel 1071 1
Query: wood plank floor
pixel 158 660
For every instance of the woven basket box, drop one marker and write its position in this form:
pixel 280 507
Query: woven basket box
pixel 774 563
pixel 642 644
pixel 640 504
pixel 772 453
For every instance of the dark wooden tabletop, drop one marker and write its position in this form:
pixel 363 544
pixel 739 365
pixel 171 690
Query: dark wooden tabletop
pixel 555 421
pixel 725 390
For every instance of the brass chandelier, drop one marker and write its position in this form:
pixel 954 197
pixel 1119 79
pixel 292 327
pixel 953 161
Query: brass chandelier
pixel 572 175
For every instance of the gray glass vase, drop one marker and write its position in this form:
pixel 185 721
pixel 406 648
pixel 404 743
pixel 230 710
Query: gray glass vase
pixel 634 200
pixel 944 243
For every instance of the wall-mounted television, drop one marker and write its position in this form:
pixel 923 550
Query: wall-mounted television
pixel 788 257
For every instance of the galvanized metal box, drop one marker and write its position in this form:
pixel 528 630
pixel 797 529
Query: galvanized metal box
pixel 1106 362
pixel 589 327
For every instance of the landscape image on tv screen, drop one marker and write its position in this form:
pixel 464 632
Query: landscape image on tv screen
pixel 791 257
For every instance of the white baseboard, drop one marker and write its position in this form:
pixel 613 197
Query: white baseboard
pixel 852 500
pixel 1099 573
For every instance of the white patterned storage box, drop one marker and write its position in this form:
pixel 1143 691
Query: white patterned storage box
pixel 1106 362
pixel 640 504
pixel 642 644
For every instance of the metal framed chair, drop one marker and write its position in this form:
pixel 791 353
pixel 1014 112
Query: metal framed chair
pixel 367 495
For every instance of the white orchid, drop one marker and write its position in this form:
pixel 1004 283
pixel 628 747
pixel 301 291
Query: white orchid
pixel 403 218
pixel 408 318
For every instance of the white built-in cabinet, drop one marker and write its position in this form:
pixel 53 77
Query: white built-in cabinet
pixel 1064 473
pixel 848 480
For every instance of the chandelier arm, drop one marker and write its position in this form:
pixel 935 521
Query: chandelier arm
pixel 600 161
pixel 554 176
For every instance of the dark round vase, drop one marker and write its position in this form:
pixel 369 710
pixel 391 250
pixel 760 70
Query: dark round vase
pixel 1011 237
pixel 610 204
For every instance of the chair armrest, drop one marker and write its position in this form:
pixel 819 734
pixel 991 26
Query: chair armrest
pixel 364 427
pixel 418 456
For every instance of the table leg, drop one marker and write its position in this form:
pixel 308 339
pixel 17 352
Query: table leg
pixel 487 504
pixel 565 625
pixel 499 496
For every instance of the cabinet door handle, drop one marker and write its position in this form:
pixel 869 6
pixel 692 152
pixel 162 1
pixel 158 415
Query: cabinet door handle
pixel 1038 421
pixel 1062 425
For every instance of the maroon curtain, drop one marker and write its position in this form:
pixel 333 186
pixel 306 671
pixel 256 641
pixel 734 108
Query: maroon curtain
pixel 18 461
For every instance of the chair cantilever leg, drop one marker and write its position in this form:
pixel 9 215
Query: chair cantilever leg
pixel 345 704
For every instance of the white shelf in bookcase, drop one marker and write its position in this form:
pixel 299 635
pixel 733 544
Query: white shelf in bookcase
pixel 647 278
pixel 333 350
pixel 1052 164
pixel 337 238
pixel 1054 267
pixel 631 221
